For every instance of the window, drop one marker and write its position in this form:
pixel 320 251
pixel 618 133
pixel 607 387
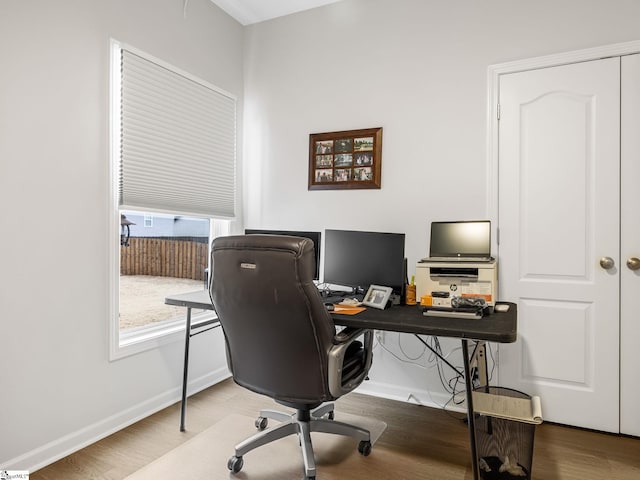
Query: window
pixel 172 257
pixel 173 191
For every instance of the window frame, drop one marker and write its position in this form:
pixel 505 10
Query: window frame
pixel 155 335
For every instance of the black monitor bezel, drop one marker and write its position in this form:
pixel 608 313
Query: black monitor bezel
pixel 358 286
pixel 485 252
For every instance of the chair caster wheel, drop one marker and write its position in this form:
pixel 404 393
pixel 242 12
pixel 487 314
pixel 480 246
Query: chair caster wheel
pixel 261 423
pixel 364 447
pixel 235 464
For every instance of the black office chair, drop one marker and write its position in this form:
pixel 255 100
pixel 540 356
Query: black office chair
pixel 281 341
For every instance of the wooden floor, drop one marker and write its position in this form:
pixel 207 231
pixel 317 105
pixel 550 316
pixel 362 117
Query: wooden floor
pixel 426 443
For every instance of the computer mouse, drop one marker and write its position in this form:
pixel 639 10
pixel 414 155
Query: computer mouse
pixel 502 307
pixel 329 307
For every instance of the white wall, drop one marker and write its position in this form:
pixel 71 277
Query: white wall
pixel 415 67
pixel 418 69
pixel 59 389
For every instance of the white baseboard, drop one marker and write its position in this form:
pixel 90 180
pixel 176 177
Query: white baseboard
pixel 62 447
pixel 411 395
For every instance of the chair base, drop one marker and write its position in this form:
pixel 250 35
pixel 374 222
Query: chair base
pixel 302 423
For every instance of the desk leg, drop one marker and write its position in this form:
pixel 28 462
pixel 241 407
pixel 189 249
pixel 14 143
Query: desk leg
pixel 470 414
pixel 187 338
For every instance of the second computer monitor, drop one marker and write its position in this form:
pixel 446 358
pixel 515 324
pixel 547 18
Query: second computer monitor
pixel 359 259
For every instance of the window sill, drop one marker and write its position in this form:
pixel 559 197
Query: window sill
pixel 140 339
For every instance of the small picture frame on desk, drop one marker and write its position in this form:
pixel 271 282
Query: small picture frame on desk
pixel 377 296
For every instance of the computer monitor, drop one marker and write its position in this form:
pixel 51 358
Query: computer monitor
pixel 360 259
pixel 463 239
pixel 314 236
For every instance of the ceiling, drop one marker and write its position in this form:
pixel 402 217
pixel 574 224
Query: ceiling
pixel 253 11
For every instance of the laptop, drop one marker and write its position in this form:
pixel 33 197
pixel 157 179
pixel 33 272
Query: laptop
pixel 463 241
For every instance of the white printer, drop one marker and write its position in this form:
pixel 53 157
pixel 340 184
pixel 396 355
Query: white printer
pixel 459 265
pixel 438 282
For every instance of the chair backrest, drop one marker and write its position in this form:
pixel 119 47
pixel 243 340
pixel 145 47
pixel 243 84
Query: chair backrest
pixel 277 330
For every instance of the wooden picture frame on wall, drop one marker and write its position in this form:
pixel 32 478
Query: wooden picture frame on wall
pixel 350 159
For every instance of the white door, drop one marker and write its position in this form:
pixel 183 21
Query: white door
pixel 630 248
pixel 558 216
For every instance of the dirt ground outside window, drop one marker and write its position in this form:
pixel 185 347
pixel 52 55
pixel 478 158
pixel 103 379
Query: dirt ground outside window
pixel 142 298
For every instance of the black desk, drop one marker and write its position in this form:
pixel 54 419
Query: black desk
pixel 497 327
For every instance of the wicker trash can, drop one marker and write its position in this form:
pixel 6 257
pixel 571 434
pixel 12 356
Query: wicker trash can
pixel 505 422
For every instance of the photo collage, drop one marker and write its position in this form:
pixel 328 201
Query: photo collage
pixel 342 160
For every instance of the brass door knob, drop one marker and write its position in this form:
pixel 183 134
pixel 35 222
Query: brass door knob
pixel 633 263
pixel 607 263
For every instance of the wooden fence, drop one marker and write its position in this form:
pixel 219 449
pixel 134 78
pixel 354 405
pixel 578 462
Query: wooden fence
pixel 164 257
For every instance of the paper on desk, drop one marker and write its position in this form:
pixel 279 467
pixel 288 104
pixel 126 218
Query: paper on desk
pixel 347 310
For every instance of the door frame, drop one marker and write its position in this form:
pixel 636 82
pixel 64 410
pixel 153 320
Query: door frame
pixel 493 94
pixel 494 72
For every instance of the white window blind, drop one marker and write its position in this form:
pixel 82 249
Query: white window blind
pixel 177 142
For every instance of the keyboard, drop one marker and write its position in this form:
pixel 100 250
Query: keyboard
pixel 464 312
pixel 337 298
pixel 451 314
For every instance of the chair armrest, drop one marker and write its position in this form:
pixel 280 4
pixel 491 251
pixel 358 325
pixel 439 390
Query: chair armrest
pixel 347 335
pixel 337 353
